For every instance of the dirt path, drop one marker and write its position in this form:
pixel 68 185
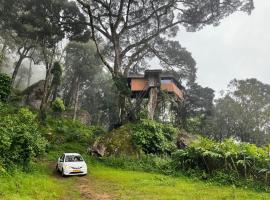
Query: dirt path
pixel 84 184
pixel 88 191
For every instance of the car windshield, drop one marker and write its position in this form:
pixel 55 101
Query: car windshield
pixel 73 158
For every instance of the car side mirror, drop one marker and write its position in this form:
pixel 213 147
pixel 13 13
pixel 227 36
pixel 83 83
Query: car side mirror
pixel 61 160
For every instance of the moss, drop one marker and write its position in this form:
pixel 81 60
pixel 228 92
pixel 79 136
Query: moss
pixel 119 141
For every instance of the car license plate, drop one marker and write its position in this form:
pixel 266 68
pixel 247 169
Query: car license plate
pixel 76 170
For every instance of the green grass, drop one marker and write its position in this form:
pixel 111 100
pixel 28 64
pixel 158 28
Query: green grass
pixel 39 184
pixel 43 183
pixel 140 185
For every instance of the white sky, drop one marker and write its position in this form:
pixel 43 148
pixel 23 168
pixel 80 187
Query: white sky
pixel 238 48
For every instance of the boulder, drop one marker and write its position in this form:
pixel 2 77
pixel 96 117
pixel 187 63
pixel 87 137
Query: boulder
pixel 97 149
pixel 33 94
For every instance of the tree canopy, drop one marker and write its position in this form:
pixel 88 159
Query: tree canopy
pixel 130 29
pixel 244 112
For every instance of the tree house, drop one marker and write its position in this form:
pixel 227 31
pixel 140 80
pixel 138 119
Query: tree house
pixel 140 84
pixel 148 84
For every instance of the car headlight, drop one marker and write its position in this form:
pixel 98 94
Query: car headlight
pixel 67 167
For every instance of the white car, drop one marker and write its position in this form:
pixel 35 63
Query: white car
pixel 71 164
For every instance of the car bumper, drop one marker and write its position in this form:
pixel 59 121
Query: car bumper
pixel 75 172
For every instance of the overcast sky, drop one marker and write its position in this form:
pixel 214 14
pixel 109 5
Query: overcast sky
pixel 238 48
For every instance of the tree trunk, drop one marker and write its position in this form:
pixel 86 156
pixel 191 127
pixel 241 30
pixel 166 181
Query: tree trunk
pixel 48 58
pixel 76 99
pixel 43 105
pixel 71 94
pixel 29 74
pixel 122 105
pixel 16 69
pixel 152 102
pixel 54 93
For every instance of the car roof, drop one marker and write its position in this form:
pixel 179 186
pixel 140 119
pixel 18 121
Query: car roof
pixel 77 154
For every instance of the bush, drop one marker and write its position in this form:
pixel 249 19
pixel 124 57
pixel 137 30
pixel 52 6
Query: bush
pixel 242 160
pixel 154 137
pixel 58 105
pixel 65 130
pixel 20 139
pixel 146 136
pixel 5 87
pixel 148 163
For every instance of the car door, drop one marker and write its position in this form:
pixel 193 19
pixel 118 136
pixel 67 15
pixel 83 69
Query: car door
pixel 61 162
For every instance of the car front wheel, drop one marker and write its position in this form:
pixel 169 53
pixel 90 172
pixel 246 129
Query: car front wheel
pixel 62 172
pixel 56 168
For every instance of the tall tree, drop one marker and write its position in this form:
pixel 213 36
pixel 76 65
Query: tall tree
pixel 99 98
pixel 130 30
pixel 244 112
pixel 195 109
pixel 82 64
pixel 47 23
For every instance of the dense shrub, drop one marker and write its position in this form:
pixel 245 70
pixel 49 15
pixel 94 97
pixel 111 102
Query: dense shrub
pixel 58 105
pixel 119 141
pixel 154 137
pixel 5 87
pixel 143 137
pixel 20 139
pixel 234 159
pixel 149 163
pixel 65 130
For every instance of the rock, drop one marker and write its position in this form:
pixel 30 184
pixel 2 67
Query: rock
pixel 33 94
pixel 98 149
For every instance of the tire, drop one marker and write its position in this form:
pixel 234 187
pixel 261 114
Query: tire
pixel 56 168
pixel 62 173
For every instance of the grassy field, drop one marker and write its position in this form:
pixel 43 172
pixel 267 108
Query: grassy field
pixel 139 185
pixel 44 183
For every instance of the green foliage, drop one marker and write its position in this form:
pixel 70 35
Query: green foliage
pixel 64 130
pixel 154 137
pixel 145 136
pixel 149 163
pixel 242 113
pixel 5 87
pixel 58 105
pixel 193 124
pixel 57 73
pixel 122 85
pixel 20 139
pixel 236 159
pixel 39 184
pixel 118 141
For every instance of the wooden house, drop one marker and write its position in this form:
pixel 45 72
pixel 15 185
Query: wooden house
pixel 140 84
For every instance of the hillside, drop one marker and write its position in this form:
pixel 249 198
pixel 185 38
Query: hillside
pixel 119 86
pixel 106 183
pixel 141 160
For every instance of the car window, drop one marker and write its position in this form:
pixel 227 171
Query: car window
pixel 62 158
pixel 73 158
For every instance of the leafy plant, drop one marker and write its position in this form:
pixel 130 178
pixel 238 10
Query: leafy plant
pixel 20 139
pixel 242 159
pixel 65 130
pixel 5 87
pixel 154 137
pixel 58 105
